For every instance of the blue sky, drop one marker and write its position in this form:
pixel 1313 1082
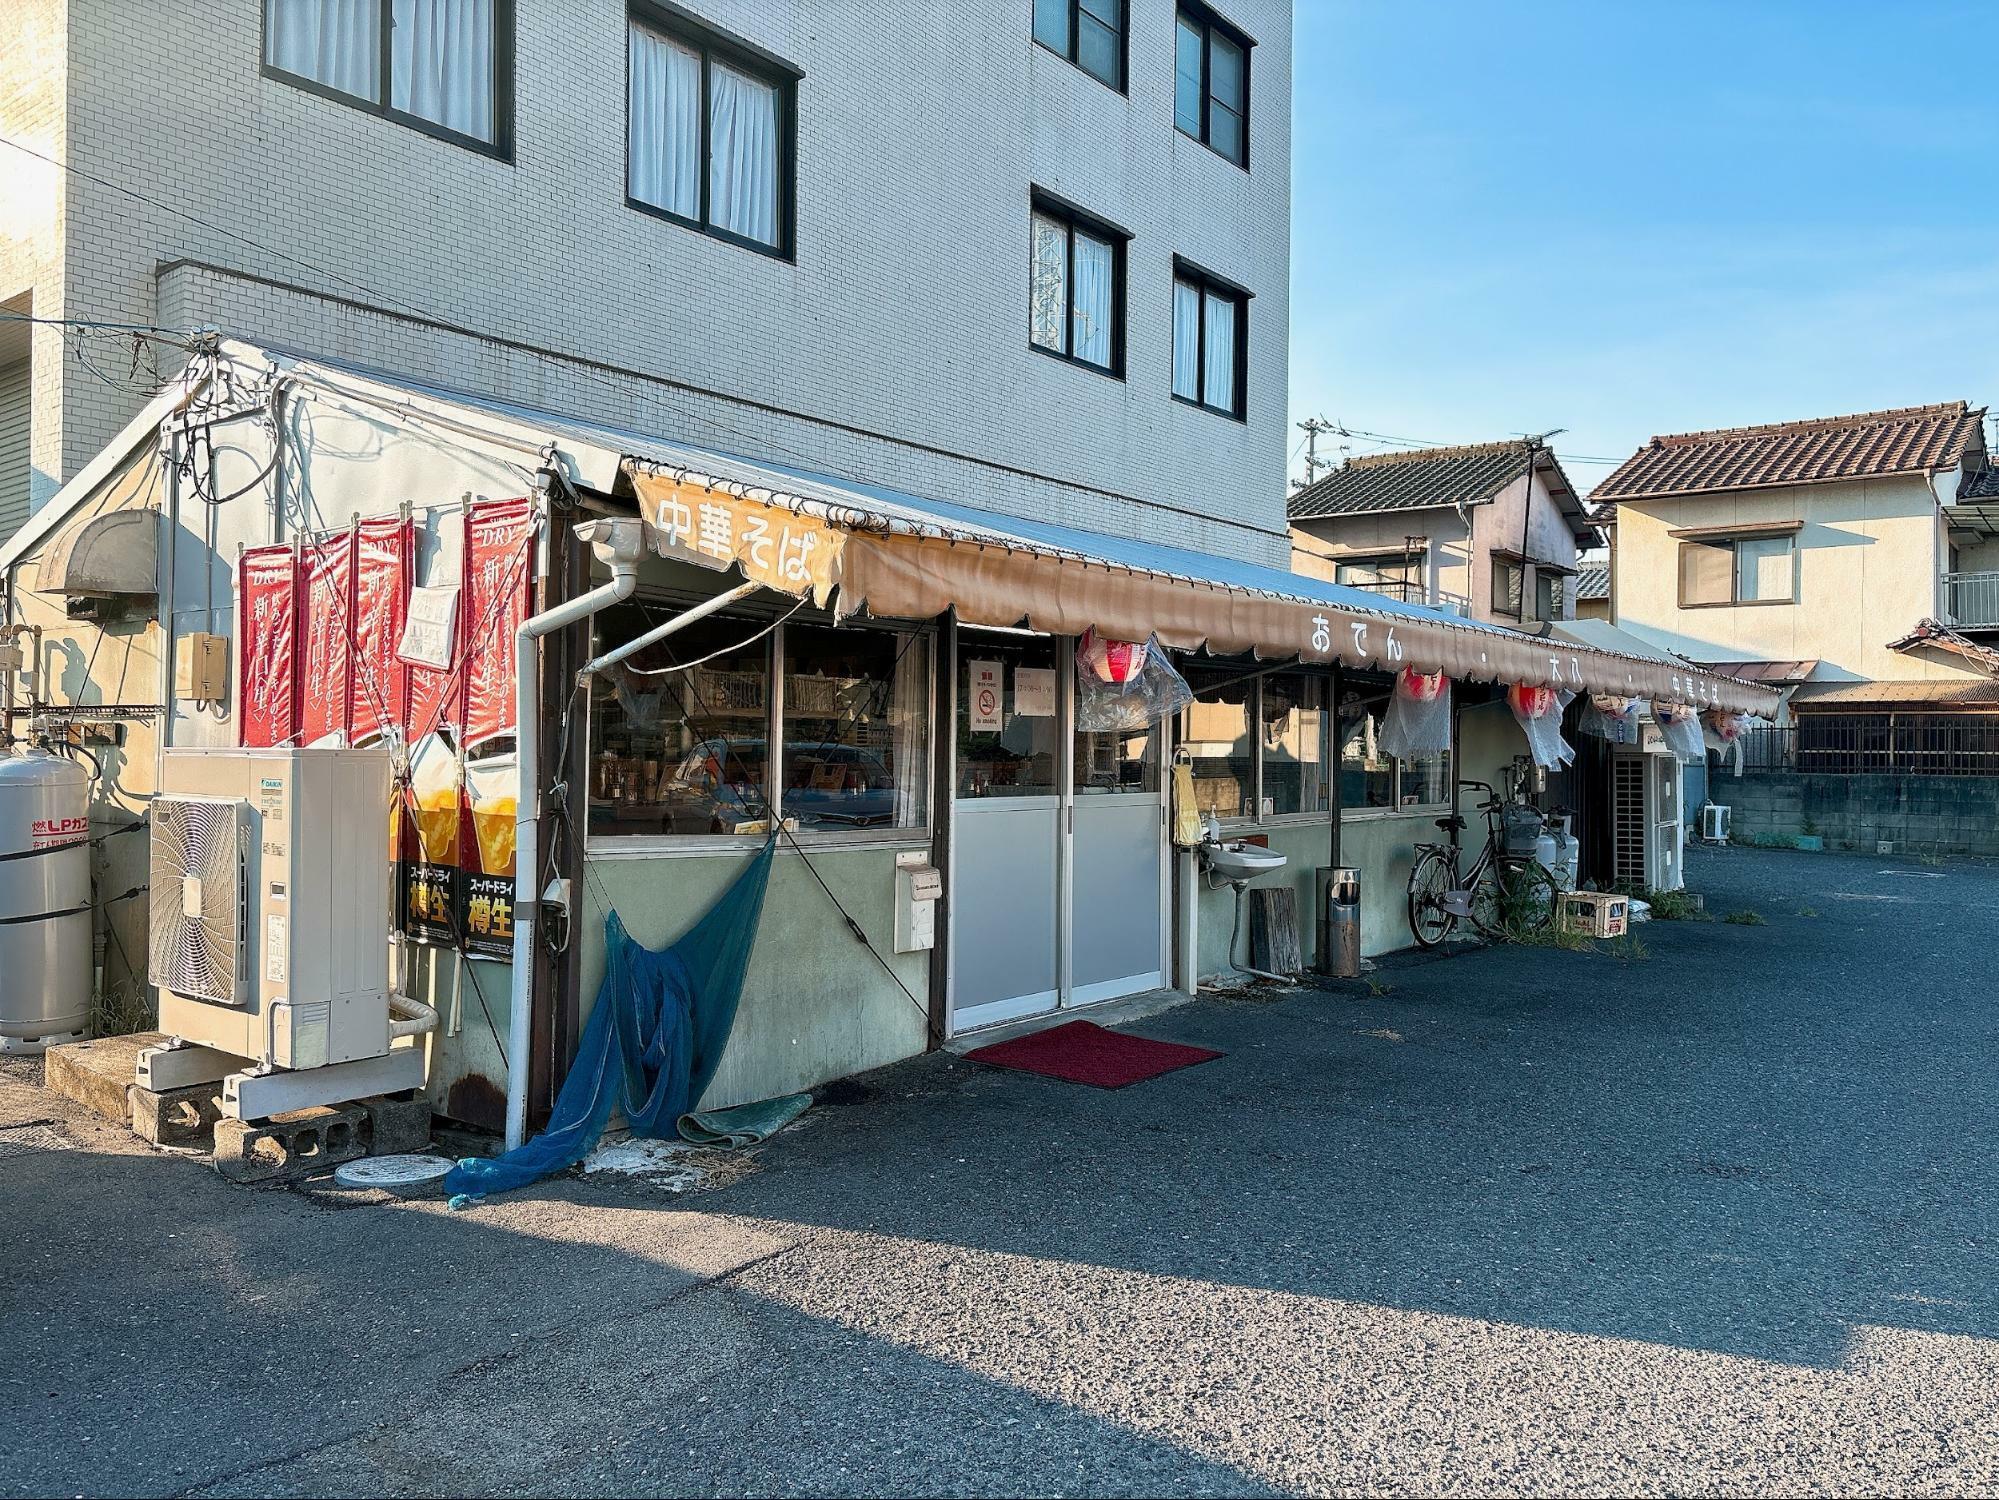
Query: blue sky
pixel 1628 218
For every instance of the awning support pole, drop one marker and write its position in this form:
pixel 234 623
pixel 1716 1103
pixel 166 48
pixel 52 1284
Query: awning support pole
pixel 618 544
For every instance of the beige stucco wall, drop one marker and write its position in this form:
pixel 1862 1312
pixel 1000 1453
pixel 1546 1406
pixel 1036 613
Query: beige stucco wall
pixel 1868 559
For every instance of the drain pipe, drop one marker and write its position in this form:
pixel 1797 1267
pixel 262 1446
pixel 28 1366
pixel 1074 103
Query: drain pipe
pixel 618 544
pixel 687 616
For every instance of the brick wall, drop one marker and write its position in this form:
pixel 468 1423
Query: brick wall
pixel 921 131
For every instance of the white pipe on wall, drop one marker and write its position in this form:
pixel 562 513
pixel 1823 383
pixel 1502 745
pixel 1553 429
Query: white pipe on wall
pixel 618 543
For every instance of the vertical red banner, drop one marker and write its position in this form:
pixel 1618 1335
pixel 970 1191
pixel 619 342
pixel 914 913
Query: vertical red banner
pixel 499 553
pixel 384 555
pixel 326 661
pixel 267 646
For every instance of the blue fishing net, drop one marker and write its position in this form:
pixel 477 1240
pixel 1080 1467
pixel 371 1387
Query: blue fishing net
pixel 651 1044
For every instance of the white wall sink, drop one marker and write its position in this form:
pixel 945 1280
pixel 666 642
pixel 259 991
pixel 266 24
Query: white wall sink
pixel 1237 861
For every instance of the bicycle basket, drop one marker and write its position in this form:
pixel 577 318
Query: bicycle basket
pixel 1519 826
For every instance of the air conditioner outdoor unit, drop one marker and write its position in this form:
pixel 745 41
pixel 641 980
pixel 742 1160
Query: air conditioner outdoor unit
pixel 1714 823
pixel 269 940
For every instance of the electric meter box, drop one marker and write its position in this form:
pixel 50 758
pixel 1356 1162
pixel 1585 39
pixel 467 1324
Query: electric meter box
pixel 201 672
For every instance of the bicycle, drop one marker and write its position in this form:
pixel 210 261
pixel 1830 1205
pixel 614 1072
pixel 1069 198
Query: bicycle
pixel 1500 891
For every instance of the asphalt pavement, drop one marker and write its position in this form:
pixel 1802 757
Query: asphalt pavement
pixel 1720 1217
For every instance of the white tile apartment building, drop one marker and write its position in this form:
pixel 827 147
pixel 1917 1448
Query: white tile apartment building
pixel 892 152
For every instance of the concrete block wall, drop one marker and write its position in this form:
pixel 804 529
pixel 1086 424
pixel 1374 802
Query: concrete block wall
pixel 894 349
pixel 1917 814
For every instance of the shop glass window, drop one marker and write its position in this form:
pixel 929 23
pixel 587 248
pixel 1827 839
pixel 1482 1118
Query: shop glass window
pixel 448 63
pixel 1296 744
pixel 1215 732
pixel 680 733
pixel 1089 33
pixel 1210 350
pixel 709 135
pixel 1076 289
pixel 1116 760
pixel 1425 780
pixel 1009 741
pixel 856 715
pixel 1211 83
pixel 1367 776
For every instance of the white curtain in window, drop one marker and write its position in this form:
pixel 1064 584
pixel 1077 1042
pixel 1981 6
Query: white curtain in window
pixel 1186 341
pixel 334 42
pixel 441 64
pixel 742 154
pixel 1092 340
pixel 663 154
pixel 912 741
pixel 1218 376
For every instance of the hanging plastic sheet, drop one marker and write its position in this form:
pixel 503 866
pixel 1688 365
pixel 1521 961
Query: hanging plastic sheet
pixel 1538 711
pixel 1722 733
pixel 1125 685
pixel 651 1044
pixel 1418 719
pixel 1680 726
pixel 1612 717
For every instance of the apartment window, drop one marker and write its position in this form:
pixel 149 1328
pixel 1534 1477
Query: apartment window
pixel 1368 778
pixel 1076 287
pixel 687 737
pixel 1739 570
pixel 1509 581
pixel 442 66
pixel 1089 33
pixel 710 125
pixel 1210 343
pixel 1211 82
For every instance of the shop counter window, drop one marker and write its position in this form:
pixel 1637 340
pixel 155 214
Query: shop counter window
pixel 683 739
pixel 1370 779
pixel 1295 744
pixel 1215 732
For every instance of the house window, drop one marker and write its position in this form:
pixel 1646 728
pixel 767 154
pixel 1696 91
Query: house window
pixel 1397 575
pixel 443 66
pixel 1076 288
pixel 1547 594
pixel 1739 570
pixel 1509 579
pixel 710 133
pixel 1211 83
pixel 1210 347
pixel 1370 779
pixel 1089 33
pixel 688 738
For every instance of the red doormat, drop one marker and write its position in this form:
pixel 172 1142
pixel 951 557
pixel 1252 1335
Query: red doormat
pixel 1084 1052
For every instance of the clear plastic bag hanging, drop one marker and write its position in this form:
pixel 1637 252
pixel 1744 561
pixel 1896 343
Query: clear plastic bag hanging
pixel 1538 710
pixel 1680 725
pixel 1611 717
pixel 1124 685
pixel 1418 719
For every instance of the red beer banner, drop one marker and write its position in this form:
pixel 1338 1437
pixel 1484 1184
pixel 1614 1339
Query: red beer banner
pixel 326 665
pixel 384 550
pixel 498 552
pixel 267 646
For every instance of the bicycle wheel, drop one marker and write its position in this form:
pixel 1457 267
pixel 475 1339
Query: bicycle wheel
pixel 1516 896
pixel 1429 882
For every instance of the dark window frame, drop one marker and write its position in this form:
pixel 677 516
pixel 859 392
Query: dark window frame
pixel 1071 57
pixel 500 148
pixel 1513 600
pixel 1208 22
pixel 1204 282
pixel 1073 218
pixel 745 57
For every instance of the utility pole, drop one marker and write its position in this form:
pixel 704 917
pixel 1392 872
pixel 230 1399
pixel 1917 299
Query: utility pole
pixel 1312 427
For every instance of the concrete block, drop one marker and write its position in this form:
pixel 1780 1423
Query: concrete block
pixel 398 1124
pixel 289 1146
pixel 97 1073
pixel 177 1117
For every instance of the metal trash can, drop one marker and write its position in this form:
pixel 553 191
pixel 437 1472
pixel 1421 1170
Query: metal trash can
pixel 1339 922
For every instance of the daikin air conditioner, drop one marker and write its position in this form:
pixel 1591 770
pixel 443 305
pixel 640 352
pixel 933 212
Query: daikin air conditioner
pixel 1714 823
pixel 269 931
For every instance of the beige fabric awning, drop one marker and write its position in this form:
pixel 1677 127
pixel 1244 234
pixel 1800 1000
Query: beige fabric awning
pixel 895 556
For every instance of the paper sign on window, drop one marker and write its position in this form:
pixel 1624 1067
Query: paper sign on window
pixel 1034 692
pixel 985 692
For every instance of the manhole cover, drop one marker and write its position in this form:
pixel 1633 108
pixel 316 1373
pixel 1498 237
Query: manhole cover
pixel 19 1140
pixel 408 1176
